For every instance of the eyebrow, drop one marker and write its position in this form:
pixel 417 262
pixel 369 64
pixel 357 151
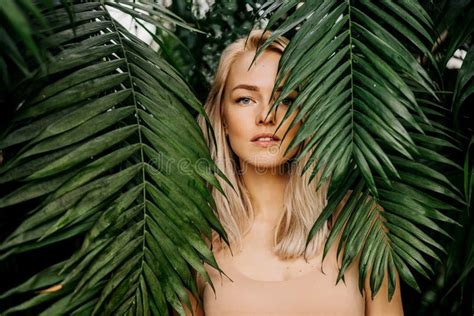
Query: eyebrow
pixel 252 88
pixel 246 87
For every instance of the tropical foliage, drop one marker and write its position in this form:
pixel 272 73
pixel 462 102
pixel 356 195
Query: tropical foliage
pixel 367 104
pixel 102 155
pixel 226 21
pixel 101 151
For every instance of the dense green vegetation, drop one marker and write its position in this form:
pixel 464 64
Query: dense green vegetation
pixel 95 122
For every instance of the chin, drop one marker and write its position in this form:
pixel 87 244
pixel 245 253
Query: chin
pixel 265 162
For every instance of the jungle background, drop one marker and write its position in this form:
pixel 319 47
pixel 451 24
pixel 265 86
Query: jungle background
pixel 194 54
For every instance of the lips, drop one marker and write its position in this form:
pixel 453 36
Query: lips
pixel 265 137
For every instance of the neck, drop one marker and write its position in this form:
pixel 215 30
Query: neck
pixel 266 188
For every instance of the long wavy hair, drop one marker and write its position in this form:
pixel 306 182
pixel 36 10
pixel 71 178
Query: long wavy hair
pixel 302 202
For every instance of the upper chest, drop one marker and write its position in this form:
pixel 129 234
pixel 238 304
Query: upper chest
pixel 275 288
pixel 262 264
pixel 257 259
pixel 259 283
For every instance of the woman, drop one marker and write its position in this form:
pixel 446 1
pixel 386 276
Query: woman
pixel 272 209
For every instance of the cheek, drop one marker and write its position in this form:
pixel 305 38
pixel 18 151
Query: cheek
pixel 292 132
pixel 238 122
pixel 236 130
pixel 291 135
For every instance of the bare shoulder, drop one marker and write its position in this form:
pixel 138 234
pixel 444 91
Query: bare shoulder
pixel 380 305
pixel 197 308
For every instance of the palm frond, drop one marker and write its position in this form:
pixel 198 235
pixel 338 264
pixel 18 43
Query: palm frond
pixel 107 149
pixel 354 65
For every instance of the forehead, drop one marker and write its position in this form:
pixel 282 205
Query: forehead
pixel 262 73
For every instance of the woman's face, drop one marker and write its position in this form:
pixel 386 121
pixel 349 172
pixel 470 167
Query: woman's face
pixel 246 102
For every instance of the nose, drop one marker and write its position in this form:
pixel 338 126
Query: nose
pixel 263 118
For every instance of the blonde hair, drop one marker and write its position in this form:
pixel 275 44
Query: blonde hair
pixel 302 202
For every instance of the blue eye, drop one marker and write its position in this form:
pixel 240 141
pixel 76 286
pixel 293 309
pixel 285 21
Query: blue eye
pixel 287 101
pixel 244 100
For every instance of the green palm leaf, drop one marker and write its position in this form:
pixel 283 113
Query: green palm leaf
pixel 100 148
pixel 354 66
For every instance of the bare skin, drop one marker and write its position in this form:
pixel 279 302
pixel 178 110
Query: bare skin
pixel 244 114
pixel 247 100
